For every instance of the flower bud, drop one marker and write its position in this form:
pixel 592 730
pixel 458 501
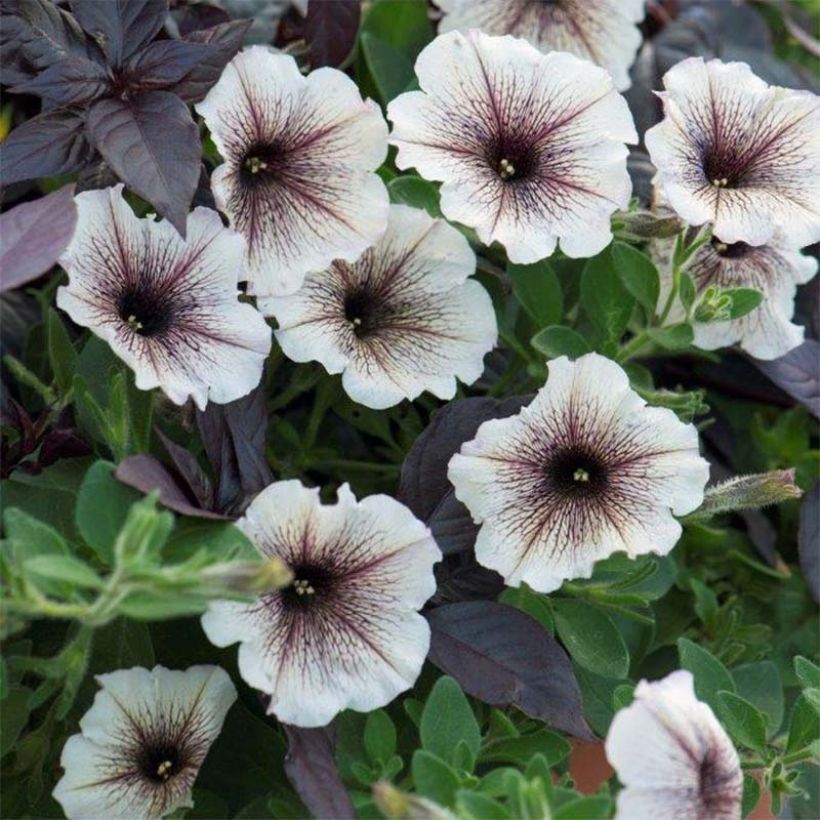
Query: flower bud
pixel 649 225
pixel 749 492
pixel 398 805
pixel 255 577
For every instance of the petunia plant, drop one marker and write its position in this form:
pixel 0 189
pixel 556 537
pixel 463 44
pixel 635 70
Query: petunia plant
pixel 409 409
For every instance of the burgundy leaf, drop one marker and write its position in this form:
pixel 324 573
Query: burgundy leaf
pixel 504 657
pixel 189 470
pixel 452 526
pixel 197 16
pixel 60 443
pixel 164 63
pixel 35 36
pixel 120 27
pixel 71 81
pixel 797 373
pixel 225 40
pixel 153 145
pixel 146 473
pixel 46 145
pixel 330 30
pixel 311 769
pixel 470 582
pixel 234 438
pixel 34 235
pixel 808 540
pixel 96 175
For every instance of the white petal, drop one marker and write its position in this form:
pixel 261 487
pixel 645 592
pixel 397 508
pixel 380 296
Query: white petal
pixel 422 324
pixel 317 198
pixel 363 643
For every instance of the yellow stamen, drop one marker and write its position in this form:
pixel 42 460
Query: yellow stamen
pixel 164 769
pixel 581 475
pixel 134 323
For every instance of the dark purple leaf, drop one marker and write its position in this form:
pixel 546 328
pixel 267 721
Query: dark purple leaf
pixel 120 27
pixel 234 439
pixel 46 145
pixel 330 30
pixel 452 526
pixel 504 657
pixel 59 443
pixel 153 145
pixel 225 40
pixel 164 63
pixel 808 540
pixel 197 16
pixel 35 36
pixel 96 175
pixel 146 473
pixel 71 81
pixel 311 769
pixel 470 582
pixel 34 235
pixel 189 470
pixel 798 374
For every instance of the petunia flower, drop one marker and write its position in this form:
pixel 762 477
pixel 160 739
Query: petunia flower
pixel 529 146
pixel 736 152
pixel 583 471
pixel 402 319
pixel 143 742
pixel 298 179
pixel 672 756
pixel 775 269
pixel 602 31
pixel 167 306
pixel 346 633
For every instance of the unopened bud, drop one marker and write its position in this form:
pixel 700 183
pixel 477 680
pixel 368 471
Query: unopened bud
pixel 648 224
pixel 748 492
pixel 714 306
pixel 398 805
pixel 253 577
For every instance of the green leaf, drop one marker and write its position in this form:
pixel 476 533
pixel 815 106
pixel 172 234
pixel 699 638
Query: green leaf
pixel 63 568
pixel 804 727
pixel 433 778
pixel 744 300
pixel 391 70
pixel 593 807
pixel 558 341
pixel 102 507
pixel 711 676
pixel 416 192
pixel 745 722
pixel 760 684
pixel 751 795
pixel 605 300
pixel 475 806
pixel 448 718
pixel 639 275
pixel 623 696
pixel 591 637
pixel 148 606
pixel 31 537
pixel 13 717
pixel 379 737
pixel 674 337
pixel 687 291
pixel 519 750
pixel 61 352
pixel 808 673
pixel 120 645
pixel 533 603
pixel 218 540
pixel 538 290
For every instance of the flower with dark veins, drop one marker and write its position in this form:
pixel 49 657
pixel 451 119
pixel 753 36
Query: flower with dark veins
pixel 167 306
pixel 775 269
pixel 402 319
pixel 583 471
pixel 346 634
pixel 143 742
pixel 300 154
pixel 529 146
pixel 673 757
pixel 602 31
pixel 738 153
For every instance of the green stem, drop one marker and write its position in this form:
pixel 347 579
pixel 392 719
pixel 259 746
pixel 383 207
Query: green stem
pixel 633 346
pixel 798 757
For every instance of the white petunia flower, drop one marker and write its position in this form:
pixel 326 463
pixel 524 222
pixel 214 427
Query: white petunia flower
pixel 143 742
pixel 402 319
pixel 736 152
pixel 346 633
pixel 298 179
pixel 673 757
pixel 602 31
pixel 585 470
pixel 529 146
pixel 167 306
pixel 767 332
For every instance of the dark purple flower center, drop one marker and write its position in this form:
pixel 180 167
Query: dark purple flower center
pixel 577 472
pixel 159 762
pixel 146 310
pixel 723 167
pixel 512 157
pixel 736 250
pixel 263 163
pixel 311 585
pixel 364 310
